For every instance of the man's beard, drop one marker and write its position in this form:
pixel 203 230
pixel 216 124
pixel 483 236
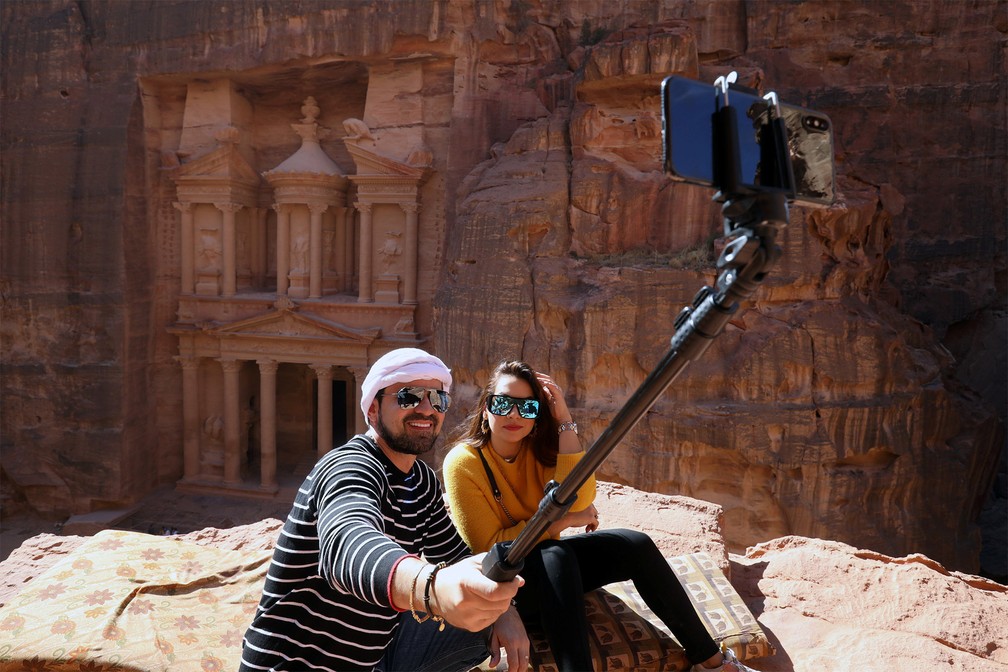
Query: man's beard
pixel 403 441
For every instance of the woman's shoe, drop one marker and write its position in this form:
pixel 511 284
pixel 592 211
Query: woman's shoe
pixel 729 664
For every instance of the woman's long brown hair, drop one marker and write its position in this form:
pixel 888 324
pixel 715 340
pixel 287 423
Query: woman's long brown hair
pixel 543 439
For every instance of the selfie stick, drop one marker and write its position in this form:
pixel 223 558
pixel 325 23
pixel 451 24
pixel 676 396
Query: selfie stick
pixel 752 218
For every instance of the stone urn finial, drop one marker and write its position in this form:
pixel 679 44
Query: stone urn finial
pixel 308 128
pixel 310 110
pixel 310 158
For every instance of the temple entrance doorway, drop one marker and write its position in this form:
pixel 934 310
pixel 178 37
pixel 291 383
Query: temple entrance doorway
pixel 342 411
pixel 296 422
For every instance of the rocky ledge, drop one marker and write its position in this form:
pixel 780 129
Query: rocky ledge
pixel 823 604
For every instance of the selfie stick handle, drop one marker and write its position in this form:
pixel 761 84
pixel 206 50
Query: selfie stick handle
pixel 752 220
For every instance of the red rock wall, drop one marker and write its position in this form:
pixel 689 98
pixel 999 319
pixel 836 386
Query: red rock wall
pixel 834 407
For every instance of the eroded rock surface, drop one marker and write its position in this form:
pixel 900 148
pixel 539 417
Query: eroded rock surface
pixel 824 605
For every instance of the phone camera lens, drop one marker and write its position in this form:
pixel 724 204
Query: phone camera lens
pixel 815 123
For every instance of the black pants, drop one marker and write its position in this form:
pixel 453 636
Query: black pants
pixel 558 574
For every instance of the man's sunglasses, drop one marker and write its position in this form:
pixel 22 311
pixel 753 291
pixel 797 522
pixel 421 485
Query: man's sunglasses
pixel 410 397
pixel 501 404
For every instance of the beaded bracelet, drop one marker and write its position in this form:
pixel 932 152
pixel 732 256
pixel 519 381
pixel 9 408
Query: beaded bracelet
pixel 412 592
pixel 427 594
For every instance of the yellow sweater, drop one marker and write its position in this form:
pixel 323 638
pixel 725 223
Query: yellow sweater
pixel 480 519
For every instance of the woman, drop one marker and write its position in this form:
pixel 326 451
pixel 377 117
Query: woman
pixel 520 437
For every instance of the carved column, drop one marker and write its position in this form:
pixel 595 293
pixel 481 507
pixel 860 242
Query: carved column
pixel 323 374
pixel 283 248
pixel 190 418
pixel 267 423
pixel 232 420
pixel 188 250
pixel 360 421
pixel 230 265
pixel 412 246
pixel 339 245
pixel 261 246
pixel 364 294
pixel 348 249
pixel 315 250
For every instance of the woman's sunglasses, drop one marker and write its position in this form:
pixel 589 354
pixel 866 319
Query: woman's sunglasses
pixel 501 404
pixel 410 397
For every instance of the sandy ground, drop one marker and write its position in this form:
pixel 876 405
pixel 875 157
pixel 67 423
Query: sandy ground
pixel 165 511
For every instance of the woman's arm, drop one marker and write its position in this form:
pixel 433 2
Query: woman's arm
pixel 586 518
pixel 582 513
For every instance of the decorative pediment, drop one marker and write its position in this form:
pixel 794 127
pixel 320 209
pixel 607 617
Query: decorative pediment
pixel 370 162
pixel 286 324
pixel 224 164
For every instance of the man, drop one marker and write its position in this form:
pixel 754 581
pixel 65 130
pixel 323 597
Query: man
pixel 353 583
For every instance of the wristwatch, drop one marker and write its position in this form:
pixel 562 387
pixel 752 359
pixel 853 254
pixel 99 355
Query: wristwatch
pixel 567 425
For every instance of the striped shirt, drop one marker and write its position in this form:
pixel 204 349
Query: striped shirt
pixel 325 603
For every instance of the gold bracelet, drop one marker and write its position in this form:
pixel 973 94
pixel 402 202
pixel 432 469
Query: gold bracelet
pixel 427 595
pixel 411 593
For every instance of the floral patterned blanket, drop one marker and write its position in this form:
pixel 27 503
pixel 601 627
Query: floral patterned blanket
pixel 132 602
pixel 126 601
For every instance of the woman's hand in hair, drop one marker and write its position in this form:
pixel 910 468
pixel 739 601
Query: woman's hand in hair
pixel 554 398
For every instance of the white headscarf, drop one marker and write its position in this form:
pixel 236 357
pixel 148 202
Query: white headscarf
pixel 402 366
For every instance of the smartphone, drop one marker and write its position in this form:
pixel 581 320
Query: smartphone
pixel 810 144
pixel 688 107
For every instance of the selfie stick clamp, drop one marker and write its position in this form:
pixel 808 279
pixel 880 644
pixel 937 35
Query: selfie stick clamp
pixel 752 218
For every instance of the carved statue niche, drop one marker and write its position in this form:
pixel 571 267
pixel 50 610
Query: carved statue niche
pixel 389 253
pixel 208 261
pixel 390 250
pixel 299 271
pixel 299 255
pixel 209 256
pixel 212 449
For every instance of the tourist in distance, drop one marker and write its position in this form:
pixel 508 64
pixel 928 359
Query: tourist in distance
pixel 519 437
pixel 368 572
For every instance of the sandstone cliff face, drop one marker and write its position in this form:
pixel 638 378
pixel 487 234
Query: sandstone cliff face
pixel 856 399
pixel 821 407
